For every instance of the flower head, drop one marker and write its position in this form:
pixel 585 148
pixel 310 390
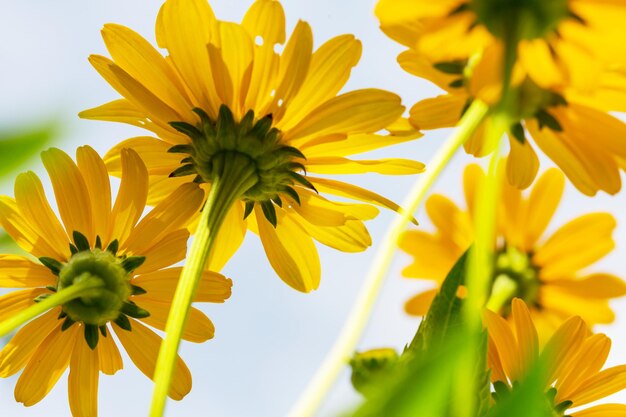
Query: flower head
pixel 224 96
pixel 547 272
pixel 124 262
pixel 568 121
pixel 572 362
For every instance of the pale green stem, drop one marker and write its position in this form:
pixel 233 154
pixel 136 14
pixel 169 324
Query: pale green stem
pixel 235 174
pixel 61 297
pixel 358 317
pixel 502 292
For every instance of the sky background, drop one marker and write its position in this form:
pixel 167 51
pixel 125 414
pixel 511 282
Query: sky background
pixel 269 338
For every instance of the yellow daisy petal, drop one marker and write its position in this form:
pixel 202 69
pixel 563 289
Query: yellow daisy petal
pixel 198 328
pixel 160 285
pixel 167 251
pixel 229 238
pixel 336 165
pixel 153 152
pixel 20 272
pixel 522 164
pixel 601 385
pixel 266 18
pixel 350 237
pixel 441 255
pixel 352 144
pixel 592 286
pixel 526 334
pixel 16 301
pixel 502 336
pixel 419 304
pixel 543 200
pixel 83 380
pixel 109 357
pixel 604 410
pixel 438 112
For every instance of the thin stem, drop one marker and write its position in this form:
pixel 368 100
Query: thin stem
pixel 59 298
pixel 235 175
pixel 344 347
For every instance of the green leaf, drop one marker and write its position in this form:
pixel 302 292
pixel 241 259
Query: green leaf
pixel 16 148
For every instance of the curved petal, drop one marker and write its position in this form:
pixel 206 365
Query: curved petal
pixel 522 164
pixel 441 255
pixel 438 112
pixel 340 145
pixel 453 224
pixel 526 334
pixel 153 152
pixel 109 357
pixel 543 201
pixel 601 385
pixel 46 366
pixel 20 272
pixel 603 410
pixel 83 380
pixel 592 286
pixel 96 177
pixel 167 251
pixel 70 191
pixel 266 18
pixel 418 305
pixel 387 166
pixel 350 237
pixel 161 285
pixel 291 252
pixel 142 345
pixel 503 339
pixel 16 301
pixel 20 230
pixel 229 238
pixel 198 329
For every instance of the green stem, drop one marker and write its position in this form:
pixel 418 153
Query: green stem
pixel 345 345
pixel 59 298
pixel 234 175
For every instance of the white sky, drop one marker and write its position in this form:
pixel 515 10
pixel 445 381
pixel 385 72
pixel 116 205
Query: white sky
pixel 269 338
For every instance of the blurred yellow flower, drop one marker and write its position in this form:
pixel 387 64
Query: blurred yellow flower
pixel 572 363
pixel 126 260
pixel 571 125
pixel 547 272
pixel 224 96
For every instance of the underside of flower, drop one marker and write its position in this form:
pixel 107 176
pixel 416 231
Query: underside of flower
pixel 515 276
pixel 527 19
pixel 108 300
pixel 252 142
pixel 503 391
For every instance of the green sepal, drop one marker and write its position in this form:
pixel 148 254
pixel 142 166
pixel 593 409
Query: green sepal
pixel 103 330
pixel 291 151
pixel 450 67
pixel 458 83
pixel 113 247
pixel 517 130
pixel 51 288
pixel 270 212
pixel 62 315
pixel 262 126
pixel 248 209
pixel 98 244
pixel 81 242
pixel 183 170
pixel 562 406
pixel 204 117
pixel 73 249
pixel 67 324
pixel 302 180
pixel 182 148
pixel 293 194
pixel 52 264
pixel 134 311
pixel 198 179
pixel 133 262
pixel 546 119
pixel 123 322
pixel 91 335
pixel 188 130
pixel 136 290
pixel 278 201
pixel 41 297
pixel 187 160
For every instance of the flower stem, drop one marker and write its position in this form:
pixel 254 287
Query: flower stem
pixel 344 347
pixel 235 174
pixel 59 298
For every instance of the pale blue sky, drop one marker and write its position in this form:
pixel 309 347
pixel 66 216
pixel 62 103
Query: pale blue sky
pixel 269 338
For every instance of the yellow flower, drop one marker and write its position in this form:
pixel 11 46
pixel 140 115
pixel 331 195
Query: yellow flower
pixel 224 96
pixel 572 368
pixel 559 42
pixel 547 272
pixel 570 125
pixel 128 257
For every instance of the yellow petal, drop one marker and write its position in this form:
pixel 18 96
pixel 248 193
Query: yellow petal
pixel 153 152
pixel 198 328
pixel 361 111
pixel 350 237
pixel 294 64
pixel 330 69
pixel 237 53
pixel 18 351
pixel 522 164
pixel 83 380
pixel 503 339
pixel 592 310
pixel 494 363
pixel 417 64
pixel 452 223
pixel 263 79
pixel 32 203
pixel 70 191
pixel 526 333
pixel 291 252
pixel 16 301
pixel 392 11
pixel 162 186
pixel 172 213
pixel 604 410
pixel 167 251
pixel 109 357
pixel 562 347
pixel 441 255
pixel 142 345
pixel 16 226
pixel 20 272
pixel 538 60
pixel 319 211
pixel 131 196
pixel 229 238
pixel 419 304
pixel 568 249
pixel 351 144
pixel 145 64
pixel 133 91
pixel 160 285
pixel 592 286
pixel 96 177
pixel 185 28
pixel 46 366
pixel 543 201
pixel 601 385
pixel 438 112
pixel 388 166
pixel 266 18
pixel 472 176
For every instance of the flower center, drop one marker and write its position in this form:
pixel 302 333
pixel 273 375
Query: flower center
pixel 514 277
pixel 249 141
pixel 108 299
pixel 521 19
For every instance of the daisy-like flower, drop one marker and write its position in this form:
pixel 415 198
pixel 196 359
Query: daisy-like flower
pixel 119 264
pixel 224 97
pixel 570 125
pixel 547 272
pixel 572 363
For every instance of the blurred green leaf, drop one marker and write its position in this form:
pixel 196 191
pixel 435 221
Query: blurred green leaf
pixel 18 147
pixel 369 366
